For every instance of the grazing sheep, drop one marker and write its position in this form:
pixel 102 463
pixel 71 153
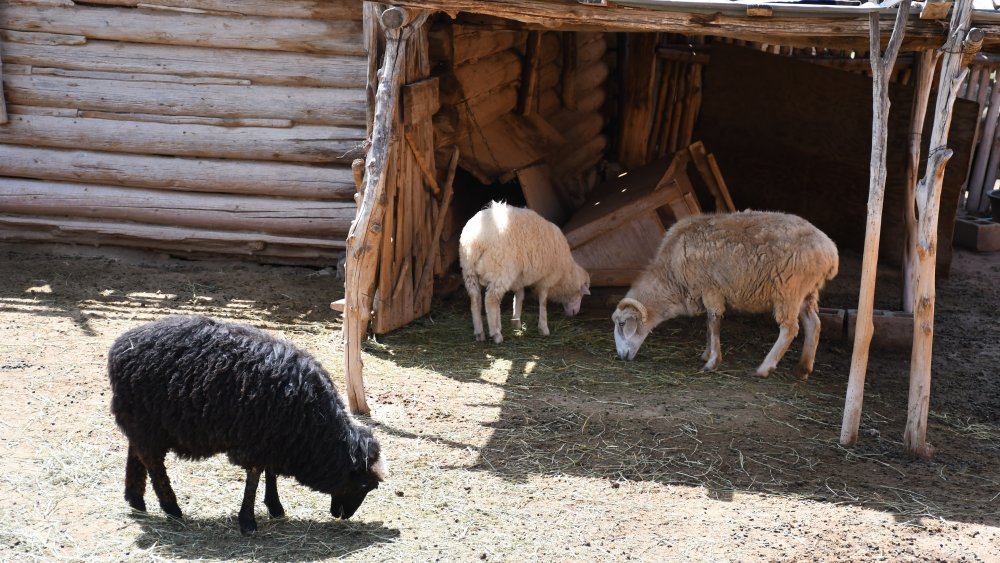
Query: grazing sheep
pixel 753 261
pixel 199 387
pixel 509 248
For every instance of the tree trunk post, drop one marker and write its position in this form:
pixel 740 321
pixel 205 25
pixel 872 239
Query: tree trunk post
pixel 881 71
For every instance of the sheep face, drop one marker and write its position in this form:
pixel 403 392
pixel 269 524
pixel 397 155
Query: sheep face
pixel 346 500
pixel 580 287
pixel 631 328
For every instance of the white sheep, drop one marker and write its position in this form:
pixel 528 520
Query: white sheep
pixel 506 248
pixel 753 261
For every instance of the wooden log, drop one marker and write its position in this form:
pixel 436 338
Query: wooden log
pixel 184 209
pixel 926 63
pixel 426 270
pixel 38 38
pixel 3 102
pixel 365 236
pixel 309 9
pixel 136 77
pixel 100 231
pixel 976 202
pixel 881 69
pixel 32 110
pixel 323 106
pixel 527 101
pixel 181 174
pixel 569 65
pixel 184 119
pixel 637 91
pixel 260 67
pixel 797 30
pixel 302 143
pixel 332 37
pixel 984 86
pixel 372 42
pixel 462 43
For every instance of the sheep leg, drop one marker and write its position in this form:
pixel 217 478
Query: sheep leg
pixel 135 481
pixel 161 483
pixel 713 351
pixel 518 305
pixel 274 507
pixel 493 296
pixel 789 329
pixel 248 524
pixel 476 298
pixel 809 319
pixel 543 315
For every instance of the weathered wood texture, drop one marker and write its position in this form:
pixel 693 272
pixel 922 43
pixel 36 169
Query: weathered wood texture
pixel 246 177
pixel 822 169
pixel 216 116
pixel 186 209
pixel 570 15
pixel 929 196
pixel 881 65
pixel 332 37
pixel 3 101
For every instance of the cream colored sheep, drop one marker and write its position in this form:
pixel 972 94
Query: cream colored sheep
pixel 753 261
pixel 504 248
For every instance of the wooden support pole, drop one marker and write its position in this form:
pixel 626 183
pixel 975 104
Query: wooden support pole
pixel 3 103
pixel 977 181
pixel 881 72
pixel 427 271
pixel 528 96
pixel 926 62
pixel 957 51
pixel 365 236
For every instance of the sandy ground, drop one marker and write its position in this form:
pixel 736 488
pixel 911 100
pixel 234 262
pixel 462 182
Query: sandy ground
pixel 538 449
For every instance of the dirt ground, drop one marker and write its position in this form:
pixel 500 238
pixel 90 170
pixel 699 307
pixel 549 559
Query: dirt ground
pixel 538 449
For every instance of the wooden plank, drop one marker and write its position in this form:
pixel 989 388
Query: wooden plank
pixel 527 100
pixel 540 194
pixel 39 38
pixel 629 247
pixel 637 92
pixel 302 143
pixel 791 30
pixel 721 183
pixel 420 100
pixel 183 209
pixel 260 67
pixel 247 177
pixel 332 37
pixel 620 200
pixel 310 9
pixel 699 157
pixel 324 106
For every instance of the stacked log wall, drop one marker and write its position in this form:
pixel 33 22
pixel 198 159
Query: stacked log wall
pixel 481 66
pixel 215 126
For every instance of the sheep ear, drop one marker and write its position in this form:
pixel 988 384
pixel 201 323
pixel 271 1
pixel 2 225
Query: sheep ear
pixel 628 331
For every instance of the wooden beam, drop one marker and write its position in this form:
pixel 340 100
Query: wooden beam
pixel 961 39
pixel 881 73
pixel 566 15
pixel 926 63
pixel 365 236
pixel 638 78
pixel 527 100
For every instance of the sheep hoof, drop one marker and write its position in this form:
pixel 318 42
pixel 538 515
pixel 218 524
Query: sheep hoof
pixel 801 373
pixel 498 338
pixel 480 337
pixel 248 526
pixel 137 503
pixel 172 510
pixel 762 374
pixel 544 330
pixel 275 511
pixel 516 323
pixel 710 365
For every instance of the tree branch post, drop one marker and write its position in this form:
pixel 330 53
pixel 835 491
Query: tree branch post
pixel 881 71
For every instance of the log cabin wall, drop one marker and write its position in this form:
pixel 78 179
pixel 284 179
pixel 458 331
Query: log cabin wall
pixel 190 126
pixel 521 105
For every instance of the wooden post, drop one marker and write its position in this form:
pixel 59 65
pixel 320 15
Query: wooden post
pixel 957 51
pixel 528 95
pixel 3 104
pixel 977 181
pixel 926 62
pixel 365 236
pixel 881 71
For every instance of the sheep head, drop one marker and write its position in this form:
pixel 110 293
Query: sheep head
pixel 364 478
pixel 632 326
pixel 579 285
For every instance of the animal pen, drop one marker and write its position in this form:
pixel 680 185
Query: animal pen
pixel 293 131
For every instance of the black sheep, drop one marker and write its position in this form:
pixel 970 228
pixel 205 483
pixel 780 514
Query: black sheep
pixel 199 387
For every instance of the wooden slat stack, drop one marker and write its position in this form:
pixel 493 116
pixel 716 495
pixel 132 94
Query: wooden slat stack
pixel 215 126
